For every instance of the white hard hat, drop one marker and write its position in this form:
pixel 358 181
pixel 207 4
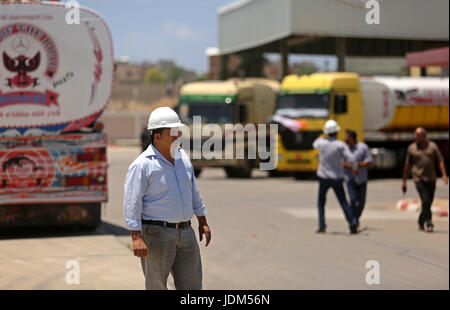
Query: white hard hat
pixel 331 127
pixel 163 117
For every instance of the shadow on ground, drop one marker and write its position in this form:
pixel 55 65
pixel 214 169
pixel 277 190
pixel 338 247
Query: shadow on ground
pixel 105 228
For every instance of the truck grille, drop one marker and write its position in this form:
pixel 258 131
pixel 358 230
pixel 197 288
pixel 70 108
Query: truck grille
pixel 302 140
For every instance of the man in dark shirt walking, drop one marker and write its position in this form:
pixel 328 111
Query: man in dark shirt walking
pixel 421 160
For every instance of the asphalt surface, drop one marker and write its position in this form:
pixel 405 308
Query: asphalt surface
pixel 263 237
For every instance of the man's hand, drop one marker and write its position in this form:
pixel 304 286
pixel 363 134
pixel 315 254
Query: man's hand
pixel 445 178
pixel 203 228
pixel 139 247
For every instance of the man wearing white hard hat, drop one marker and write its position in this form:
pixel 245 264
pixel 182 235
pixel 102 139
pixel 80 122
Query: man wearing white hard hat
pixel 333 153
pixel 161 196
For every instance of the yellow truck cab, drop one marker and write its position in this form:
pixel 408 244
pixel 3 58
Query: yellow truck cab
pixel 234 101
pixel 311 101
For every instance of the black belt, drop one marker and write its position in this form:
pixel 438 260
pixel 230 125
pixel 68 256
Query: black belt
pixel 180 225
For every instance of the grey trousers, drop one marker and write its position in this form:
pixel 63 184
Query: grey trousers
pixel 174 251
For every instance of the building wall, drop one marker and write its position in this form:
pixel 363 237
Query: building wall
pixel 377 65
pixel 124 127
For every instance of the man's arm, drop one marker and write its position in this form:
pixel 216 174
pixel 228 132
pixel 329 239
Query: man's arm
pixel 407 169
pixel 203 228
pixel 139 247
pixel 317 144
pixel 367 161
pixel 135 187
pixel 440 160
pixel 200 211
pixel 406 172
pixel 443 171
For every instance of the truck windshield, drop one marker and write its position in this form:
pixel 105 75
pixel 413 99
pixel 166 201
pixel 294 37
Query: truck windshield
pixel 304 105
pixel 211 113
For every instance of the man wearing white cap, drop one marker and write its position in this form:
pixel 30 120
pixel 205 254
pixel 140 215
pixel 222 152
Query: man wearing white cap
pixel 333 153
pixel 161 196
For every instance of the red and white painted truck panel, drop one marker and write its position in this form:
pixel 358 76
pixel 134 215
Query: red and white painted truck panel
pixel 54 76
pixel 62 168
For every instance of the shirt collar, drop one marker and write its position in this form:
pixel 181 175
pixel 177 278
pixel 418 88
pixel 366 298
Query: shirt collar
pixel 153 151
pixel 150 151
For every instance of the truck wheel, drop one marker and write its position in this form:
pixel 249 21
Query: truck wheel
pixel 275 174
pixel 96 220
pixel 244 172
pixel 197 172
pixel 231 172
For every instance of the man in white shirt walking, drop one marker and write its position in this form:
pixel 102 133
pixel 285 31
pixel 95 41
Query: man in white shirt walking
pixel 333 153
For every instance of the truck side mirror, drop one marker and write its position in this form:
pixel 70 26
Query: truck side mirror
pixel 340 104
pixel 242 113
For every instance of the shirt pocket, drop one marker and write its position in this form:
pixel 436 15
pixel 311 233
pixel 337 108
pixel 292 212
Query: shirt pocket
pixel 159 182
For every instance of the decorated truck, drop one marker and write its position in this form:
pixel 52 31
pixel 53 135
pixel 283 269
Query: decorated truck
pixel 55 81
pixel 384 111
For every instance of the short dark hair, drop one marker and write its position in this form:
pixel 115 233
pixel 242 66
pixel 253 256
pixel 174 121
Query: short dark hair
pixel 333 134
pixel 153 132
pixel 352 134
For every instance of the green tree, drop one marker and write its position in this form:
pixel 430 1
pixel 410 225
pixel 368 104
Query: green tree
pixel 153 76
pixel 174 73
pixel 306 68
pixel 202 78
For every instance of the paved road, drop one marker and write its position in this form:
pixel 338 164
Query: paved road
pixel 263 238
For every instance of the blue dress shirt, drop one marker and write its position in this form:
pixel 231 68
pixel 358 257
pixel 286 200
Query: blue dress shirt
pixel 332 154
pixel 361 152
pixel 156 189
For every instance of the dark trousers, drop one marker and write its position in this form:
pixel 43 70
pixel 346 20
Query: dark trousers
pixel 426 192
pixel 338 188
pixel 357 193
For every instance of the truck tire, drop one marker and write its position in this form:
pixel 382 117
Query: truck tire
pixel 231 172
pixel 245 172
pixel 242 172
pixel 275 174
pixel 197 172
pixel 96 220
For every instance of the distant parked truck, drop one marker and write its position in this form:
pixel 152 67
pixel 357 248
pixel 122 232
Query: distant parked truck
pixel 234 101
pixel 55 81
pixel 384 111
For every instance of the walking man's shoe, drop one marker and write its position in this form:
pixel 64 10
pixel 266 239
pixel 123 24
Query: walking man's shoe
pixel 421 227
pixel 430 227
pixel 321 231
pixel 353 230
